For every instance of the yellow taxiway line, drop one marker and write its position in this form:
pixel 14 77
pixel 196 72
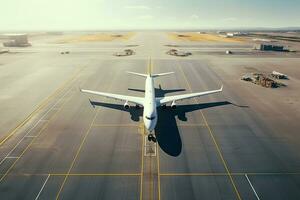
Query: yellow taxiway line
pixel 142 160
pixel 161 174
pixel 115 125
pixel 39 133
pixel 158 171
pixel 194 174
pixel 191 125
pixel 98 174
pixel 80 147
pixel 213 138
pixel 76 155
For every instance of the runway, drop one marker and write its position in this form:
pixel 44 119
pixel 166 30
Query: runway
pixel 78 146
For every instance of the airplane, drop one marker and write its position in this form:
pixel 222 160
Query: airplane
pixel 150 102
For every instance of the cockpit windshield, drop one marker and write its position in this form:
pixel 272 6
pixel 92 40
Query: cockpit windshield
pixel 150 118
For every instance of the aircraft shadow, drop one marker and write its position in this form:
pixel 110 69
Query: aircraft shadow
pixel 167 132
pixel 135 113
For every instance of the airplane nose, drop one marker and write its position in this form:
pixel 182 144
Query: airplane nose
pixel 147 125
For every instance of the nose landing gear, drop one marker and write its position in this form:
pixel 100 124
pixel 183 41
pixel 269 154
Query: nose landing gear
pixel 152 138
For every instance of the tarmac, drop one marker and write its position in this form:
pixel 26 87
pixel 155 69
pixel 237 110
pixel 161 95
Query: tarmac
pixel 58 143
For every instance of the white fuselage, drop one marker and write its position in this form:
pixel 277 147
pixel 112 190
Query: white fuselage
pixel 150 113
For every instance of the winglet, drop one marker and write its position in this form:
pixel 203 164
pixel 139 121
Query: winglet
pixel 221 89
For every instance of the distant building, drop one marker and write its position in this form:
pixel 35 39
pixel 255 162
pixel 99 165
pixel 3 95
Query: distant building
pixel 233 34
pixel 230 34
pixel 270 47
pixel 16 40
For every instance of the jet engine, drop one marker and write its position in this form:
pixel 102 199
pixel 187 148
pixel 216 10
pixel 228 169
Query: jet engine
pixel 164 106
pixel 126 105
pixel 173 105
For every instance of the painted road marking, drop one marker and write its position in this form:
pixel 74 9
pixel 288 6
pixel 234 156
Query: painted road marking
pixel 41 106
pixel 38 195
pixel 115 125
pixel 252 187
pixel 161 174
pixel 45 120
pixel 11 157
pixel 149 147
pixel 76 155
pixel 30 136
pixel 87 132
pixel 27 133
pixel 158 172
pixel 141 128
pixel 191 125
pixel 212 137
pixel 40 132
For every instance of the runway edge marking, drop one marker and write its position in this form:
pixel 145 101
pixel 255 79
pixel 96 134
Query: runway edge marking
pixel 213 137
pixel 45 182
pixel 76 155
pixel 256 195
pixel 142 160
pixel 44 102
pixel 39 133
pixel 29 131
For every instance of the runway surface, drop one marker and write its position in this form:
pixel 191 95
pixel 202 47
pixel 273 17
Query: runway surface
pixel 78 146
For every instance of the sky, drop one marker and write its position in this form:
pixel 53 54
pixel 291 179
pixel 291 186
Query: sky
pixel 147 14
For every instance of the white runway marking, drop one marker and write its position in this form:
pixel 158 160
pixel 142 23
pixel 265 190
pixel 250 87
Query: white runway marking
pixel 11 157
pixel 252 187
pixel 30 136
pixel 27 133
pixel 38 195
pixel 45 120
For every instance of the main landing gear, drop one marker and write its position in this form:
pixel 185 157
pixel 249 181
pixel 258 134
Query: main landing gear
pixel 152 138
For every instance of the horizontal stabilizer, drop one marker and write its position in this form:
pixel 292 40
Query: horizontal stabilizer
pixel 138 74
pixel 162 74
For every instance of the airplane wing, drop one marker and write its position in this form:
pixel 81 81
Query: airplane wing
pixel 136 100
pixel 164 100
